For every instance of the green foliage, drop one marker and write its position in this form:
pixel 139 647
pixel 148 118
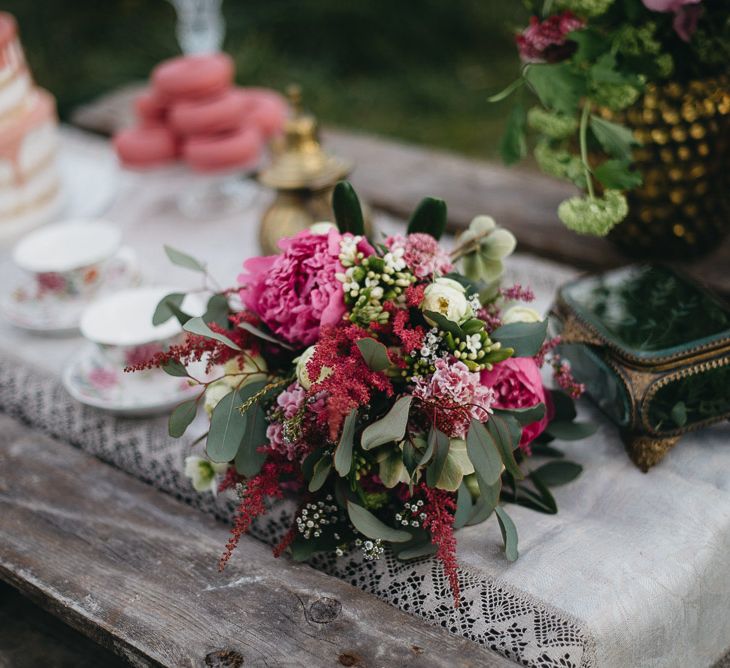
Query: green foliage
pixel 184 260
pixel 369 525
pixel 264 336
pixel 558 473
pixel 169 307
pixel 390 428
pixel 181 417
pixel 374 353
pixel 483 453
pixel 513 145
pixel 615 139
pixel 347 210
pixel 200 327
pixel 559 87
pixel 617 175
pixel 525 338
pixel 509 533
pixel 175 368
pixel 429 217
pixel 227 427
pixel 343 453
pixel 438 444
pixel 321 471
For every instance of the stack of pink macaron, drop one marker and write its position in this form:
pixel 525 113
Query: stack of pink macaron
pixel 193 111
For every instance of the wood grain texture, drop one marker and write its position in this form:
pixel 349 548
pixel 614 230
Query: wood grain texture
pixel 136 571
pixel 393 177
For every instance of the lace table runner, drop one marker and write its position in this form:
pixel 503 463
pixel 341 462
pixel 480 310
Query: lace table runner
pixel 633 571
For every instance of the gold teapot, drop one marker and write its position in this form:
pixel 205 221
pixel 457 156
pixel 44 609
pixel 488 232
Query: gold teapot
pixel 303 175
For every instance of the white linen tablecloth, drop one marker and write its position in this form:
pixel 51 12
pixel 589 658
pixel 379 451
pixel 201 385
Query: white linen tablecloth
pixel 633 571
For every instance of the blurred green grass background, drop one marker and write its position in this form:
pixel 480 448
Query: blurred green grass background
pixel 419 71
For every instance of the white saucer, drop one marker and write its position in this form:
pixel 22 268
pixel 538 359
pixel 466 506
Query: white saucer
pixel 61 315
pixel 90 380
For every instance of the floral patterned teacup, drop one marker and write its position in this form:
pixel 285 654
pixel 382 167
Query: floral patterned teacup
pixel 71 260
pixel 121 327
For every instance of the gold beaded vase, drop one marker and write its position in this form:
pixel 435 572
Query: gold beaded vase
pixel 682 209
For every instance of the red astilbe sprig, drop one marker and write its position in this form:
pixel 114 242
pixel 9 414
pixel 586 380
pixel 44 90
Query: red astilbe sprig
pixel 265 485
pixel 195 347
pixel 230 479
pixel 439 507
pixel 349 381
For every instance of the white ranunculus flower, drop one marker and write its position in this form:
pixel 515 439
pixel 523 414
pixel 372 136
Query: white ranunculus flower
pixel 213 394
pixel 302 376
pixel 447 297
pixel 323 227
pixel 251 370
pixel 203 473
pixel 520 314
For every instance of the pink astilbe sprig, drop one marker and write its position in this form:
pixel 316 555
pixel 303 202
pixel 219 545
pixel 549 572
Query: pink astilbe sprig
pixel 545 349
pixel 347 380
pixel 265 485
pixel 517 293
pixel 439 508
pixel 564 377
pixel 422 253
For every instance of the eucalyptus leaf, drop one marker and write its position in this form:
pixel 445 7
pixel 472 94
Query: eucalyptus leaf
pixel 444 324
pixel 181 417
pixel 374 353
pixel 343 453
pixel 168 307
pixel 486 502
pixel 503 438
pixel 571 431
pixel 564 406
pixel 463 506
pixel 509 533
pixel 347 210
pixel 391 468
pixel 544 498
pixel 525 338
pixel 249 460
pixel 424 549
pixel 390 428
pixel 175 368
pixel 259 333
pixel 227 427
pixel 217 311
pixel 524 416
pixel 483 453
pixel 321 471
pixel 557 473
pixel 184 260
pixel 543 450
pixel 200 327
pixel 440 444
pixel 429 217
pixel 369 525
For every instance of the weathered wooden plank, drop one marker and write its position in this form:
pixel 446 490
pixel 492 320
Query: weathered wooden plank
pixel 30 637
pixel 136 570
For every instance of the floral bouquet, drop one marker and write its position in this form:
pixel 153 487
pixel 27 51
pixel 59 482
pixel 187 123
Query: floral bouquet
pixel 397 397
pixel 587 61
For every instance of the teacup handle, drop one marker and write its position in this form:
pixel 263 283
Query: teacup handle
pixel 123 263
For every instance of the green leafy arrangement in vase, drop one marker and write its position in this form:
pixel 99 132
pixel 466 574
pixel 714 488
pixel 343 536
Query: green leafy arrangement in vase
pixel 589 59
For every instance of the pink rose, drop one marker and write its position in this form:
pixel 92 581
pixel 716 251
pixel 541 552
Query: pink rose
pixel 297 293
pixel 546 41
pixel 517 383
pixel 686 14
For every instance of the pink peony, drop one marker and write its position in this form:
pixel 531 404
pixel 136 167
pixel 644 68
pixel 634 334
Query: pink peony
pixel 546 41
pixel 422 254
pixel 455 396
pixel 297 293
pixel 686 14
pixel 517 384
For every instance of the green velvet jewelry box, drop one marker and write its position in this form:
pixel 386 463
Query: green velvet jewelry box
pixel 652 348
